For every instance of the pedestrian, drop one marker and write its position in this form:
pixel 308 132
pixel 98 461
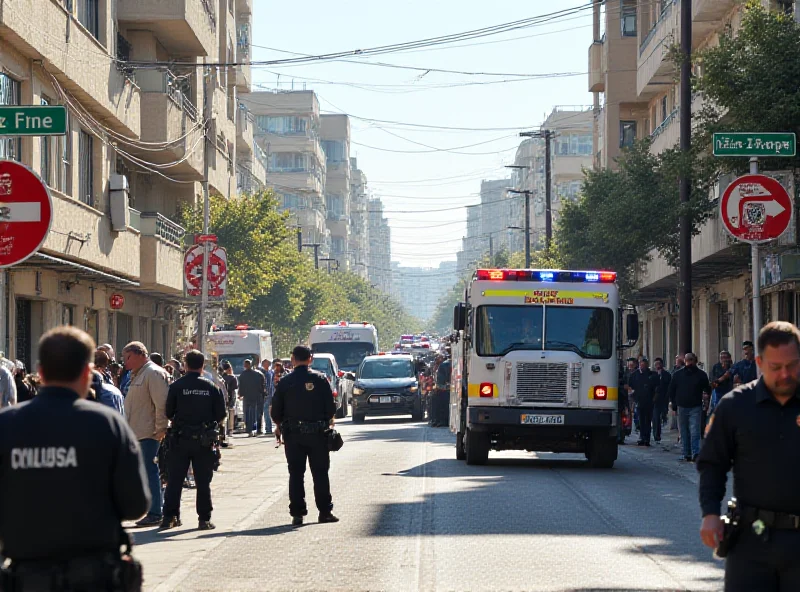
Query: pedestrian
pixel 8 388
pixel 632 366
pixel 661 404
pixel 754 431
pixel 303 410
pixel 24 390
pixel 252 390
pixel 441 398
pixel 231 386
pixel 157 359
pixel 145 410
pixel 107 394
pixel 721 378
pixel 70 472
pixel 645 383
pixel 269 376
pixel 195 406
pixel 746 369
pixel 686 391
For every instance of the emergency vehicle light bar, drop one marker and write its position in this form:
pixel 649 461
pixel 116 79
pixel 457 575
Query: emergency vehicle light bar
pixel 546 275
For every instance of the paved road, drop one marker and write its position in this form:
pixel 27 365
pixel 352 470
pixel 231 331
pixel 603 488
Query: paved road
pixel 414 518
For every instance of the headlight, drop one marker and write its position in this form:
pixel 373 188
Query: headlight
pixel 413 389
pixel 358 390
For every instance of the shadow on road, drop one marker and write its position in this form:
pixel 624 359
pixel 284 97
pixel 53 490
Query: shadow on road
pixel 152 536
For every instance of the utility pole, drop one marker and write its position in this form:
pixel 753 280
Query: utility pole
pixel 208 113
pixel 299 239
pixel 685 287
pixel 316 247
pixel 527 194
pixel 548 174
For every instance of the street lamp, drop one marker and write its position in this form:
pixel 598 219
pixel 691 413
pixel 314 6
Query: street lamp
pixel 527 194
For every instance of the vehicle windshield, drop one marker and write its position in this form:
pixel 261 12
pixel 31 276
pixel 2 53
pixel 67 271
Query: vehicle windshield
pixel 589 332
pixel 237 361
pixel 387 369
pixel 348 354
pixel 322 365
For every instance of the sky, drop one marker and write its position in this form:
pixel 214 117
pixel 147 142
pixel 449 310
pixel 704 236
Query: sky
pixel 416 169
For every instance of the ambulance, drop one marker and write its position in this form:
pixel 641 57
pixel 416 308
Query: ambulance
pixel 237 345
pixel 536 363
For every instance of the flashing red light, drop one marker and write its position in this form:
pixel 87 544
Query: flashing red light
pixel 343 323
pixel 487 390
pixel 242 327
pixel 496 274
pixel 608 276
pixel 322 323
pixel 426 345
pixel 600 393
pixel 340 373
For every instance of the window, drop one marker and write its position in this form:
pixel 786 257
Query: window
pixel 335 204
pixel 569 190
pixel 294 202
pixel 45 164
pixel 89 16
pixel 627 134
pixel 64 180
pixel 10 148
pixel 68 315
pixel 334 150
pixel 86 165
pixel 282 125
pixel 664 111
pixel 589 332
pixel 377 369
pixel 337 244
pixel 628 18
pixel 288 162
pixel 501 329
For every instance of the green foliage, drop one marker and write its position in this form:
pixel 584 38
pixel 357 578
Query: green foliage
pixel 273 286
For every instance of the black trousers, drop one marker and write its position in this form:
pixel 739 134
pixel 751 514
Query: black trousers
pixel 313 448
pixel 767 566
pixel 441 406
pixel 202 458
pixel 645 422
pixel 658 414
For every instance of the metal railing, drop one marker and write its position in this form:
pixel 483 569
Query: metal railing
pixel 212 16
pixel 665 124
pixel 665 12
pixel 243 39
pixel 155 224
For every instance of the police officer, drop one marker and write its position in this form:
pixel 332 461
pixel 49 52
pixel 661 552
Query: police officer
pixel 303 409
pixel 70 472
pixel 756 431
pixel 195 405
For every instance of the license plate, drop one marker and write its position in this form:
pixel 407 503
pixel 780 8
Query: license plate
pixel 542 419
pixel 386 399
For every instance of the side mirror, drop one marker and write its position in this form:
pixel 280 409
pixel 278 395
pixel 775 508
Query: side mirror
pixel 460 317
pixel 632 327
pixel 350 375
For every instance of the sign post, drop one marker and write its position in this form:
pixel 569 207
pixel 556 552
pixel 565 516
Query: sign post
pixel 755 208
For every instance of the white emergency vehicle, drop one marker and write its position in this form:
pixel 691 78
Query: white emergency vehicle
pixel 238 345
pixel 536 363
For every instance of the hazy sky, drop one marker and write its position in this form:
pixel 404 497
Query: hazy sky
pixel 416 177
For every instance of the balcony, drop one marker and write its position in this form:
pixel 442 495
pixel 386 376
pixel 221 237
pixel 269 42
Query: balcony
pixel 654 70
pixel 242 74
pixel 597 81
pixel 161 253
pixel 711 10
pixel 245 122
pixel 83 234
pixel 666 135
pixel 183 27
pixel 250 178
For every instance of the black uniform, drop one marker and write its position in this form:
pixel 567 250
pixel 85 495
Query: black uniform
pixel 194 403
pixel 70 472
pixel 645 384
pixel 303 407
pixel 760 439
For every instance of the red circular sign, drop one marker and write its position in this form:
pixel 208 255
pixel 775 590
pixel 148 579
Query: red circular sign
pixel 217 272
pixel 756 209
pixel 26 212
pixel 117 301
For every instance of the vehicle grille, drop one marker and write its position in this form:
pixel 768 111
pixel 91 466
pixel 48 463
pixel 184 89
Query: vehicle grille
pixel 541 383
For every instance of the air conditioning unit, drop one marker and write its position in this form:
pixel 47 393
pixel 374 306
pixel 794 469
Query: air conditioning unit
pixel 119 192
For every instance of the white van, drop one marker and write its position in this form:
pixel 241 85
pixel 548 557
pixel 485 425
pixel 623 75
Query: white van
pixel 239 345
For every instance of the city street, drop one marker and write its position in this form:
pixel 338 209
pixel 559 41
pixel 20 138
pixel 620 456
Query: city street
pixel 414 518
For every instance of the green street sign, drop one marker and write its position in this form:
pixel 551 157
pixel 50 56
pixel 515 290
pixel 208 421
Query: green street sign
pixel 755 144
pixel 33 120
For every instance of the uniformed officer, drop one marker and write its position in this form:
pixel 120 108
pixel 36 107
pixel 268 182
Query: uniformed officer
pixel 303 410
pixel 195 405
pixel 70 472
pixel 756 431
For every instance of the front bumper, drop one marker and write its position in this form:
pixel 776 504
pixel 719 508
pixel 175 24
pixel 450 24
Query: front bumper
pixel 400 405
pixel 488 418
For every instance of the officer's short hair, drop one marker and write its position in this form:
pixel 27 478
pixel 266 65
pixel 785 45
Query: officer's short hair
pixel 157 359
pixel 658 360
pixel 248 363
pixel 301 353
pixel 101 359
pixel 135 347
pixel 645 360
pixel 195 360
pixel 226 365
pixel 64 353
pixel 778 333
pixel 750 343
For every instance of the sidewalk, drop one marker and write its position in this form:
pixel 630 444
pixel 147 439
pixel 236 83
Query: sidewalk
pixel 251 477
pixel 665 455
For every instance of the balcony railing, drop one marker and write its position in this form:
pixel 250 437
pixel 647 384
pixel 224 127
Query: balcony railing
pixel 136 220
pixel 212 16
pixel 665 12
pixel 178 89
pixel 665 124
pixel 243 39
pixel 246 181
pixel 155 224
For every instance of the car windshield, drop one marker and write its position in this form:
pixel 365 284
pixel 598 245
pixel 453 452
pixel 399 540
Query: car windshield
pixel 348 354
pixel 589 332
pixel 322 365
pixel 387 369
pixel 237 361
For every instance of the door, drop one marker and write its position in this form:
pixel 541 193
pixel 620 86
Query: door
pixel 23 330
pixel 124 331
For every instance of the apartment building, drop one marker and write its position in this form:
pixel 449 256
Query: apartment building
pixel 359 220
pixel 647 105
pixel 287 130
pixel 419 289
pixel 335 140
pixel 133 156
pixel 473 245
pixel 380 247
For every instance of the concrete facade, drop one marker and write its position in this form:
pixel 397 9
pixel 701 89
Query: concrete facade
pixel 419 289
pixel 132 158
pixel 359 220
pixel 380 247
pixel 335 139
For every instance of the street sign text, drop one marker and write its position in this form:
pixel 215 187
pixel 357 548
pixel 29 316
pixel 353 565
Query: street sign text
pixel 755 144
pixel 33 120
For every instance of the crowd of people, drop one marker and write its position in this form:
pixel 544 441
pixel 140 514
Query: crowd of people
pixel 687 395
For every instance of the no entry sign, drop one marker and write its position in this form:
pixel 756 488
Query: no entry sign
pixel 217 274
pixel 756 209
pixel 26 212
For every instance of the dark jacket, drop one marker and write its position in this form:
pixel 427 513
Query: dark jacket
pixel 645 387
pixel 687 387
pixel 70 472
pixel 724 386
pixel 746 371
pixel 303 395
pixel 664 380
pixel 252 386
pixel 231 386
pixel 194 400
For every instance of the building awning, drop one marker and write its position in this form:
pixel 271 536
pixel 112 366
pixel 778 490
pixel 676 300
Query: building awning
pixel 42 261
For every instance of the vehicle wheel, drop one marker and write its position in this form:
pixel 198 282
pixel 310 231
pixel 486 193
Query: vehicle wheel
pixel 461 454
pixel 601 451
pixel 358 418
pixel 477 447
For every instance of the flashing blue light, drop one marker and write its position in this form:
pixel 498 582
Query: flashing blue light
pixel 546 276
pixel 592 276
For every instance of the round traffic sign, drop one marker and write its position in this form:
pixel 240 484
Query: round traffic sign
pixel 26 212
pixel 217 273
pixel 756 209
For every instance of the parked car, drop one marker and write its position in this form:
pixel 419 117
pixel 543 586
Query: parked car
pixel 326 364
